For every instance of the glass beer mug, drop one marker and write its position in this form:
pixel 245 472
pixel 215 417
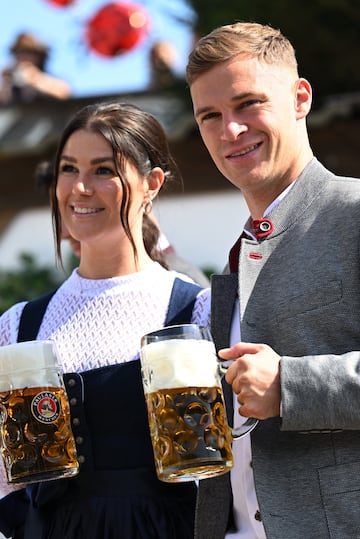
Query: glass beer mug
pixel 37 443
pixel 188 425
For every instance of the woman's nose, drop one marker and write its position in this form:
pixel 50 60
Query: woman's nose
pixel 82 185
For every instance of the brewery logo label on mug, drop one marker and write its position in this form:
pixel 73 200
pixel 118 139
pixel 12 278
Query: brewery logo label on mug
pixel 36 440
pixel 45 407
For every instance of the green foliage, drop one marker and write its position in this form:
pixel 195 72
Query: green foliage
pixel 26 283
pixel 209 271
pixel 325 34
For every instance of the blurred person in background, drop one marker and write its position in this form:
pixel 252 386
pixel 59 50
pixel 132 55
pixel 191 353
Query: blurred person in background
pixel 26 78
pixel 162 57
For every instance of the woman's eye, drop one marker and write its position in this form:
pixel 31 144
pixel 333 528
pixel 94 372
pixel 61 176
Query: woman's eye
pixel 106 171
pixel 67 168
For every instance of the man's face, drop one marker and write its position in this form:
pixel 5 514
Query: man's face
pixel 249 116
pixel 29 56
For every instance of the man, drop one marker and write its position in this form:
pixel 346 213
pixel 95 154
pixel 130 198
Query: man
pixel 293 284
pixel 26 78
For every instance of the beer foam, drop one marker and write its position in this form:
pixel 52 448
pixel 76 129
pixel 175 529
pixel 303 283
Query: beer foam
pixel 180 363
pixel 28 364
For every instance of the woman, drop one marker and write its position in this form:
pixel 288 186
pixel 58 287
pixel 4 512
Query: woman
pixel 111 162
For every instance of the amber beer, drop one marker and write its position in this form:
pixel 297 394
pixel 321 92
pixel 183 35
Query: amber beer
pixel 188 425
pixel 37 443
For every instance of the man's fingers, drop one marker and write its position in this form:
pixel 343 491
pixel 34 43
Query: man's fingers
pixel 239 349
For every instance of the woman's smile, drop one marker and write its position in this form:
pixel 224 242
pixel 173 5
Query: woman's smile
pixel 85 211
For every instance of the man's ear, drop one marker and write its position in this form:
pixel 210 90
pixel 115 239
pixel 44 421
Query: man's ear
pixel 303 98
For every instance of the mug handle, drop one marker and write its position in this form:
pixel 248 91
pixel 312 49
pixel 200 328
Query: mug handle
pixel 250 422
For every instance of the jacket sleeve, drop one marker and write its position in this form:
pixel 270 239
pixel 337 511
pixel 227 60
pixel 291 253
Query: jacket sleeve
pixel 320 393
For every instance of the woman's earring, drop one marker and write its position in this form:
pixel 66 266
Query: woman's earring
pixel 147 207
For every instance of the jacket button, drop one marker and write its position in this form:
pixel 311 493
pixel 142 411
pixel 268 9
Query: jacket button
pixel 258 516
pixel 73 401
pixel 72 382
pixel 76 421
pixel 81 459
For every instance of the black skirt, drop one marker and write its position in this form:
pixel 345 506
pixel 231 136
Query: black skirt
pixel 117 494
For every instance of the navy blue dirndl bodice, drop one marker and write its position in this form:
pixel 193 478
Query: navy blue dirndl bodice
pixel 117 493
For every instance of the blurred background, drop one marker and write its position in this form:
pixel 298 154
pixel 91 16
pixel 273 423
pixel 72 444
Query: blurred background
pixel 92 50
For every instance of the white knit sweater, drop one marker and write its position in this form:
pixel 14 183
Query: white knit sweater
pixel 100 322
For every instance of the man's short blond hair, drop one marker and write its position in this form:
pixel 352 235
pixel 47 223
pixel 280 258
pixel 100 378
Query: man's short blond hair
pixel 253 39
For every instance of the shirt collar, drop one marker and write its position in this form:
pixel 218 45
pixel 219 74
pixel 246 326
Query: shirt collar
pixel 248 230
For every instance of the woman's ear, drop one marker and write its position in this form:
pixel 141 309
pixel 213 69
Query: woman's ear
pixel 154 181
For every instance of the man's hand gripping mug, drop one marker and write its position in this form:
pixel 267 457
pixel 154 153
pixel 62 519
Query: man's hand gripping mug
pixel 181 376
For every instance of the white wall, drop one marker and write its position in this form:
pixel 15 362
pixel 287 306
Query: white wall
pixel 30 232
pixel 202 228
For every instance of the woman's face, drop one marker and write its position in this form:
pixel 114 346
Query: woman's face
pixel 90 193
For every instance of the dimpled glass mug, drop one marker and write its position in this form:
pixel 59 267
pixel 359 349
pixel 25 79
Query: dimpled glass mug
pixel 188 425
pixel 37 443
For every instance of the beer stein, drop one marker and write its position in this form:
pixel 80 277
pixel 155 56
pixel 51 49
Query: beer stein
pixel 189 431
pixel 37 443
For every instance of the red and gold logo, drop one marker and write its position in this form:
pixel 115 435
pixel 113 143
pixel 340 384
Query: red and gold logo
pixel 45 406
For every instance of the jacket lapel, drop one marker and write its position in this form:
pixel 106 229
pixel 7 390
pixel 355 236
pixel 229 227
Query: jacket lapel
pixel 223 295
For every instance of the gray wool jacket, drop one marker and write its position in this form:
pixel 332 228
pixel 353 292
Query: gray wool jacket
pixel 300 294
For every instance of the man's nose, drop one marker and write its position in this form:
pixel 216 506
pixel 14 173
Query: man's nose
pixel 232 129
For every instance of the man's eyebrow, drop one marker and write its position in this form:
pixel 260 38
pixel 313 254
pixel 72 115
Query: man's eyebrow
pixel 202 110
pixel 237 97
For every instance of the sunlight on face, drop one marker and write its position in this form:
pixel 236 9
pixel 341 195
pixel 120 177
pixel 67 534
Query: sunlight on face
pixel 248 117
pixel 90 192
